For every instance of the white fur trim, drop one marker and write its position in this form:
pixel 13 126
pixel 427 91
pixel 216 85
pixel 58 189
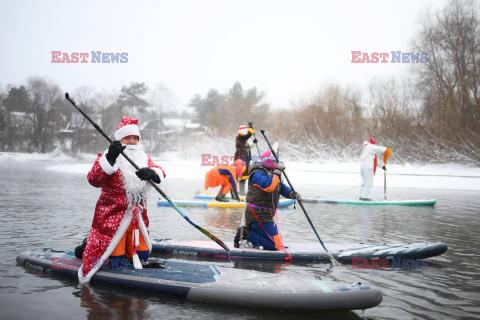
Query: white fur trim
pixel 128 130
pixel 137 237
pixel 136 262
pixel 144 231
pixel 124 224
pixel 159 173
pixel 106 166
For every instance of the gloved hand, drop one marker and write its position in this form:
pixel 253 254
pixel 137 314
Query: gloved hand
pixel 146 174
pixel 277 172
pixel 280 166
pixel 384 168
pixel 255 140
pixel 295 195
pixel 250 124
pixel 114 151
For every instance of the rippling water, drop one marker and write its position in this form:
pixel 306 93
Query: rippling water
pixel 43 208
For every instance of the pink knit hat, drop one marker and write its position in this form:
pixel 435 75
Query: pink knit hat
pixel 268 159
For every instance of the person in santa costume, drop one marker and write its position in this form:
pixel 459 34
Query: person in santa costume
pixel 372 156
pixel 119 233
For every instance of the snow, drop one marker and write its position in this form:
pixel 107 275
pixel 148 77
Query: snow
pixel 31 157
pixel 444 176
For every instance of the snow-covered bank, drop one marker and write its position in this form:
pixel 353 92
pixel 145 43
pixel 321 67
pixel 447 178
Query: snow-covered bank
pixel 453 177
pixel 444 176
pixel 56 155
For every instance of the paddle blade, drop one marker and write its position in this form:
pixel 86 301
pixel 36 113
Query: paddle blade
pixel 205 232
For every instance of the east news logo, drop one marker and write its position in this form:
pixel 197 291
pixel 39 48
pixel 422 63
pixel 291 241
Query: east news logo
pixel 383 57
pixel 95 57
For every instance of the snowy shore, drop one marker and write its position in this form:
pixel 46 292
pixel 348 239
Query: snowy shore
pixel 445 176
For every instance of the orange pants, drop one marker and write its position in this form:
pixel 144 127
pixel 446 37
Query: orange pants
pixel 125 246
pixel 214 179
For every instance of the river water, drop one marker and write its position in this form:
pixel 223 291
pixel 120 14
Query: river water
pixel 44 208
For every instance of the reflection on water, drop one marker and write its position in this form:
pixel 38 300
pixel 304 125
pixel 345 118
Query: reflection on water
pixel 41 208
pixel 107 304
pixel 223 218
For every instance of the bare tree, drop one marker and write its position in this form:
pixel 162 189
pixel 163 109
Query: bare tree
pixel 450 79
pixel 449 82
pixel 335 112
pixel 162 99
pixel 44 95
pixel 393 112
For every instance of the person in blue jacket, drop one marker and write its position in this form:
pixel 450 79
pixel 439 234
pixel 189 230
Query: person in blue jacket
pixel 264 190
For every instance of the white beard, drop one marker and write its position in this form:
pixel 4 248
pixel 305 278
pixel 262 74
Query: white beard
pixel 135 188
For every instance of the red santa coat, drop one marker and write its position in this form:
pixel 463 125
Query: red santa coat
pixel 112 215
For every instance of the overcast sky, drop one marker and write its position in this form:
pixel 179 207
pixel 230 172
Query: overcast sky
pixel 287 49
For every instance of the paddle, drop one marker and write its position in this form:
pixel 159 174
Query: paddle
pixel 208 234
pixel 254 137
pixel 385 184
pixel 332 258
pixel 386 155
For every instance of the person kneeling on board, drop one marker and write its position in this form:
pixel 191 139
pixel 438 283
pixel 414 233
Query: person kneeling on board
pixel 369 163
pixel 119 231
pixel 226 177
pixel 264 190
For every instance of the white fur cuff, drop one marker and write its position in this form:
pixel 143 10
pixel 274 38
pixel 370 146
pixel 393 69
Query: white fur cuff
pixel 159 173
pixel 106 166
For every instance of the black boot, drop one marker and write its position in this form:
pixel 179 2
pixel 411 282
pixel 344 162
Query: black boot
pixel 238 235
pixel 242 234
pixel 365 199
pixel 221 197
pixel 245 233
pixel 153 263
pixel 79 250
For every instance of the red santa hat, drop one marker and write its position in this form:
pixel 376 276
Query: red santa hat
pixel 243 130
pixel 127 127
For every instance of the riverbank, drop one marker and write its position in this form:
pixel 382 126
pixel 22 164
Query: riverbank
pixel 334 173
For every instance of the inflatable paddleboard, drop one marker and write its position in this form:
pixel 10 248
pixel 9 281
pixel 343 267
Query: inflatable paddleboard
pixel 216 204
pixel 302 252
pixel 421 202
pixel 215 284
pixel 211 196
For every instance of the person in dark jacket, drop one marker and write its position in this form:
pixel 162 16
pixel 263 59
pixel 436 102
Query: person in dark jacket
pixel 264 190
pixel 243 145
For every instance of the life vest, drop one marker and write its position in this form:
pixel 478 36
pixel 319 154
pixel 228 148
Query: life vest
pixel 265 203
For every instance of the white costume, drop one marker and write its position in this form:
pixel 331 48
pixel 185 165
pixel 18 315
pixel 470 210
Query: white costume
pixel 371 155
